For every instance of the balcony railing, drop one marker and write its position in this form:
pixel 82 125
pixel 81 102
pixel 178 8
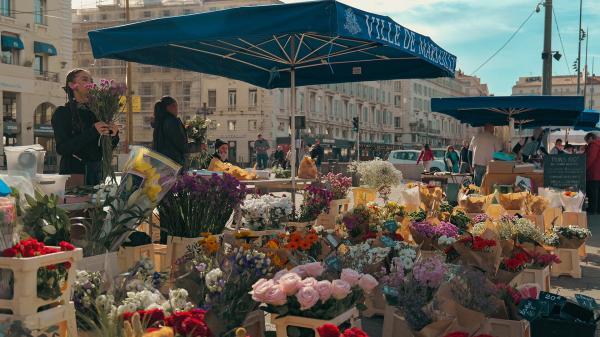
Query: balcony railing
pixel 46 76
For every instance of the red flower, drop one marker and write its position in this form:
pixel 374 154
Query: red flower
pixel 328 330
pixel 64 246
pixel 51 267
pixel 9 252
pixel 147 317
pixel 189 323
pixel 354 332
pixel 67 265
pixel 457 334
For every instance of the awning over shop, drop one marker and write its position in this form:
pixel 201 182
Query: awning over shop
pixel 44 48
pixel 43 130
pixel 11 128
pixel 11 42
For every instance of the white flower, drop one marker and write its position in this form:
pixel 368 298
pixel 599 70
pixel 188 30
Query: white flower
pixel 446 241
pixel 377 173
pixel 212 279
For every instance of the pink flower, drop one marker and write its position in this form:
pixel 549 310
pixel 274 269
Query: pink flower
pixel 275 295
pixel 279 274
pixel 351 276
pixel 308 282
pixel 340 289
pixel 290 283
pixel 307 297
pixel 260 289
pixel 529 290
pixel 314 269
pixel 324 289
pixel 367 283
pixel 300 271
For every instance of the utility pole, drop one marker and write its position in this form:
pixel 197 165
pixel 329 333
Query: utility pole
pixel 129 91
pixel 547 53
pixel 579 48
pixel 587 40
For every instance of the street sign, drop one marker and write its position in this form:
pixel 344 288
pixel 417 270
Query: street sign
pixel 136 102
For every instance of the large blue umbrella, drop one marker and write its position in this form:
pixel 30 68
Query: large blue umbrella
pixel 528 111
pixel 282 45
pixel 588 120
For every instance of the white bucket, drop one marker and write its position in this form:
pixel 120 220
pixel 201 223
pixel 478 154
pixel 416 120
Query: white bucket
pixel 52 183
pixel 27 160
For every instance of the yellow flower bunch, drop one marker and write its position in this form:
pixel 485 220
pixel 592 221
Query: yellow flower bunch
pixel 151 186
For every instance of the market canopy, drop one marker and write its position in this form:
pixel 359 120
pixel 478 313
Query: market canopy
pixel 527 111
pixel 588 120
pixel 322 41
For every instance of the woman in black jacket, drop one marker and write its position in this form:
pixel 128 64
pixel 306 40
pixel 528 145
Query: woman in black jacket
pixel 169 137
pixel 77 131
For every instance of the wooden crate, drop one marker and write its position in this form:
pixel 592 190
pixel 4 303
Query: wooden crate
pixel 363 195
pixel 129 256
pixel 255 323
pixel 281 324
pixel 552 215
pixel 569 265
pixel 61 316
pixel 578 219
pixel 176 248
pixel 25 300
pixel 507 328
pixel 375 303
pixel 541 277
pixel 336 208
pixel 394 324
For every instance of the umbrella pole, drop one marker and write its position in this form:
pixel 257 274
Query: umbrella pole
pixel 293 120
pixel 511 132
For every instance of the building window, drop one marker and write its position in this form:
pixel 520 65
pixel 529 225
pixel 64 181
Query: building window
pixel 104 17
pixel 397 101
pixel 38 65
pixel 146 89
pixel 252 125
pixel 231 125
pixel 166 12
pixel 252 98
pixel 212 100
pixel 10 56
pixel 231 99
pixel 9 106
pixel 397 123
pixel 312 102
pixel 85 18
pixel 122 16
pixel 187 91
pixel 147 14
pixel 40 12
pixel 166 89
pixel 6 7
pixel 187 11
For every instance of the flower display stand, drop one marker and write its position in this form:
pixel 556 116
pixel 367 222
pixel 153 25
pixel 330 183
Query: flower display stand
pixel 24 300
pixel 375 303
pixel 61 317
pixel 541 277
pixel 578 219
pixel 394 325
pixel 255 323
pixel 176 248
pixel 569 265
pixel 363 195
pixel 336 208
pixel 507 328
pixel 281 324
pixel 129 256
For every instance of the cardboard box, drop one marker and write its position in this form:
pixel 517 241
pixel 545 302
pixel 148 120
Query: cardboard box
pixel 523 168
pixel 500 166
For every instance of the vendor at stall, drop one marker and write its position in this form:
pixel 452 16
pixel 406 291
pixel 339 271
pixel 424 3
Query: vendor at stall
pixel 221 151
pixel 77 131
pixel 483 145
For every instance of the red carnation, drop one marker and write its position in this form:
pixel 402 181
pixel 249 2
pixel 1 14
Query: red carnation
pixel 328 330
pixel 354 332
pixel 67 265
pixel 64 246
pixel 9 252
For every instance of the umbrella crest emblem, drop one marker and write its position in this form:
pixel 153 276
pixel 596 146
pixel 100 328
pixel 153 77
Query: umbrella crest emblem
pixel 351 24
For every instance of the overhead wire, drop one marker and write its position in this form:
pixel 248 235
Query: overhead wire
pixel 561 41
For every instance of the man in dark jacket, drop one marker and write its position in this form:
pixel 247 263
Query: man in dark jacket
pixel 170 138
pixel 317 153
pixel 464 158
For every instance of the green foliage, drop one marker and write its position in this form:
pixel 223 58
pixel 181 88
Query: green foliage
pixel 45 221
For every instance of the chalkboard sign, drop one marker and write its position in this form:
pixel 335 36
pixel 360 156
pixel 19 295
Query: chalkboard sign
pixel 529 309
pixel 565 171
pixel 586 302
pixel 553 298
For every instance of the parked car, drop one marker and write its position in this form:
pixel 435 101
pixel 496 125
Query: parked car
pixel 405 157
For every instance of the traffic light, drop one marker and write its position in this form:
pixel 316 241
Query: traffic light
pixel 355 124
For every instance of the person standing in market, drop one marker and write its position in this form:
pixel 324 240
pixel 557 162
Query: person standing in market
pixel 464 158
pixel 77 131
pixel 317 153
pixel 279 157
pixel 426 156
pixel 483 145
pixel 452 159
pixel 221 151
pixel 558 147
pixel 593 172
pixel 169 137
pixel 261 146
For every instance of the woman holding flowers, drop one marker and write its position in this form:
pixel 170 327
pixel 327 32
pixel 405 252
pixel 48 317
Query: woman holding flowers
pixel 77 130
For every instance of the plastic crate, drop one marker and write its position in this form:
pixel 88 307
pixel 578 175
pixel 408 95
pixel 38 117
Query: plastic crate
pixel 508 328
pixel 61 317
pixel 128 256
pixel 24 299
pixel 541 277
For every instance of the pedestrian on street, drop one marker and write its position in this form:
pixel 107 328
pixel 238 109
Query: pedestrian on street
pixel 426 156
pixel 279 157
pixel 593 172
pixel 452 159
pixel 169 137
pixel 261 146
pixel 317 153
pixel 483 145
pixel 465 167
pixel 77 130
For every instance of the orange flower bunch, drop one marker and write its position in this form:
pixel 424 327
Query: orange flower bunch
pixel 209 242
pixel 298 241
pixel 570 194
pixel 274 252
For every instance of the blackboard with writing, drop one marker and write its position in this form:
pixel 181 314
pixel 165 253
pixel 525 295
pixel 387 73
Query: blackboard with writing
pixel 565 171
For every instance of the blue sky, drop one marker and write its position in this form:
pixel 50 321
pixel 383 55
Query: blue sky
pixel 474 29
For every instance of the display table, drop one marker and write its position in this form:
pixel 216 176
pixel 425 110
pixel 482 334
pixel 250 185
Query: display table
pixel 491 179
pixel 443 179
pixel 276 184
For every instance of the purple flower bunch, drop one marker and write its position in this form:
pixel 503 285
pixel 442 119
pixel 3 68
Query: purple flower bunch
pixel 429 230
pixel 480 218
pixel 316 200
pixel 338 184
pixel 429 272
pixel 199 204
